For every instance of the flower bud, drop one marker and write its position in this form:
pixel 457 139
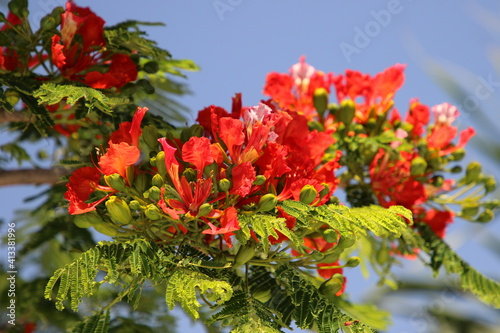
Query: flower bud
pixel 12 96
pixel 470 210
pixel 324 191
pixel 320 100
pixel 157 180
pixel 152 212
pixel 134 205
pixel 107 229
pixel 418 166
pixel 150 136
pixel 205 209
pixel 151 67
pixel 456 169
pixel 259 180
pixel 330 236
pixel 118 210
pixel 472 172
pixel 140 183
pixel 334 110
pixel 353 262
pixel 458 154
pixel 437 181
pixel 346 242
pixel 115 181
pixel 490 184
pixel 347 110
pixel 332 286
pixel 267 202
pixel 87 220
pixel 160 164
pixel 308 194
pixel 245 254
pixel 262 294
pixel 146 86
pixel 190 174
pixel 317 255
pixel 485 216
pixel 196 130
pixel 224 185
pixel 19 7
pixel 152 193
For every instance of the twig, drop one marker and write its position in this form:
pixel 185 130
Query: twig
pixel 32 176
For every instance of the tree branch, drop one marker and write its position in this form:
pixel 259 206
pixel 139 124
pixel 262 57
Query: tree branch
pixel 32 176
pixel 6 116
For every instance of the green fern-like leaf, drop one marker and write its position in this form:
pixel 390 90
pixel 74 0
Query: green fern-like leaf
pixel 442 255
pixel 183 285
pixel 50 93
pixel 97 323
pixel 77 279
pixel 265 226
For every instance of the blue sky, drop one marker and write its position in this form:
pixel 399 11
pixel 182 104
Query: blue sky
pixel 237 42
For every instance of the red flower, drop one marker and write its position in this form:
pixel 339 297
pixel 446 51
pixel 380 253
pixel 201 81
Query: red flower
pixel 418 116
pixel 121 71
pixel 82 183
pixel 243 175
pixel 197 151
pixel 72 57
pixel 438 221
pixel 118 158
pixel 228 224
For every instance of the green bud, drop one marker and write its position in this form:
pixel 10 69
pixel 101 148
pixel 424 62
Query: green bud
pixel 485 216
pixel 347 110
pixel 224 184
pixel 262 294
pixel 48 23
pixel 196 130
pixel 331 257
pixel 19 7
pixel 491 204
pixel 353 262
pixel 160 164
pixel 245 253
pixel 346 242
pixel 151 67
pixel 437 181
pixel 12 96
pixel 107 229
pixel 158 180
pixel 324 191
pixel 259 180
pixel 320 100
pixel 490 184
pixel 115 181
pixel 153 193
pixel 382 255
pixel 88 219
pixel 472 172
pixel 146 86
pixel 140 182
pixel 118 210
pixel 371 124
pixel 470 210
pixel 152 212
pixel 332 286
pixel 317 255
pixel 308 194
pixel 267 202
pixel 190 174
pixel 418 166
pixel 150 136
pixel 456 169
pixel 205 209
pixel 134 205
pixel 458 154
pixel 330 236
pixel 315 125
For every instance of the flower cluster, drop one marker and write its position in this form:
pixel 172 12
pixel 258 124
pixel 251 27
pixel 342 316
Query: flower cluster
pixel 204 185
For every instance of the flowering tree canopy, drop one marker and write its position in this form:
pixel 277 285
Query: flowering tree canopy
pixel 250 217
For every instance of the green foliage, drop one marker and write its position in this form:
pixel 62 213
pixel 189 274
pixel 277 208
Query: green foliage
pixel 97 323
pixel 50 93
pixel 443 256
